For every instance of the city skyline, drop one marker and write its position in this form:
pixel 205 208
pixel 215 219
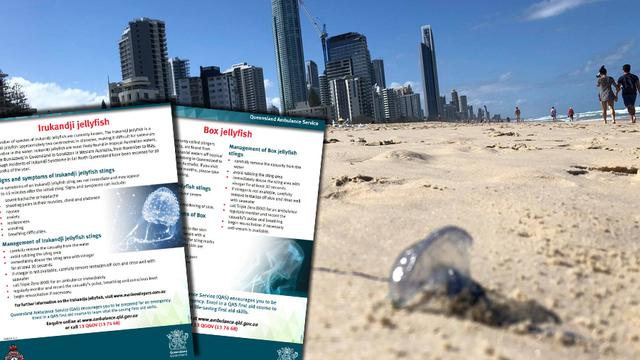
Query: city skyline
pixel 514 67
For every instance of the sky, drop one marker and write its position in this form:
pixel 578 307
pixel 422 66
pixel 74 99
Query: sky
pixel 531 53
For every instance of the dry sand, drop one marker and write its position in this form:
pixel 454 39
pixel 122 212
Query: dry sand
pixel 555 224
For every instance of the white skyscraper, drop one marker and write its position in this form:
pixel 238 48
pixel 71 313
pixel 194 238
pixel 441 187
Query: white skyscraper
pixel 249 81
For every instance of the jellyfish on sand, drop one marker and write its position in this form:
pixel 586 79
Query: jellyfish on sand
pixel 438 264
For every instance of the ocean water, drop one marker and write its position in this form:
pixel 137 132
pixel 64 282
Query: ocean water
pixel 596 115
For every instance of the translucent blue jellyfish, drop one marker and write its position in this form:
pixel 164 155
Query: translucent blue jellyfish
pixel 160 215
pixel 280 269
pixel 438 264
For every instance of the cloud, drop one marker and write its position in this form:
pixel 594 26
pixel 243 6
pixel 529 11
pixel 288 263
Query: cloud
pixel 491 92
pixel 480 26
pixel 269 85
pixel 502 85
pixel 273 102
pixel 609 59
pixel 504 77
pixel 414 85
pixel 52 96
pixel 549 8
pixel 619 53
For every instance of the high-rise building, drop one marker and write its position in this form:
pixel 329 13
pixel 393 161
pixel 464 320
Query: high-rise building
pixel 143 53
pixel 325 93
pixel 312 75
pixel 178 69
pixel 345 98
pixel 249 82
pixel 455 101
pixel 190 91
pixel 378 104
pixel 207 72
pixel 353 46
pixel 339 69
pixel 320 111
pixel 223 92
pixel 463 107
pixel 409 104
pixel 443 105
pixel 397 104
pixel 471 113
pixel 378 73
pixel 391 105
pixel 219 90
pixel 289 53
pixel 432 107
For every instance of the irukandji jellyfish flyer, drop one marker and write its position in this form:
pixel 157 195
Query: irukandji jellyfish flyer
pixel 91 237
pixel 250 188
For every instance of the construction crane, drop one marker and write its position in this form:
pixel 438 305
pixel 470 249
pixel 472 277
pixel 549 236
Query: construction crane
pixel 322 30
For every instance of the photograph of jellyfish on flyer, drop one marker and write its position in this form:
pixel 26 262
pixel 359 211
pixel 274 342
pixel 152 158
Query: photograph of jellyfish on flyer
pixel 281 269
pixel 255 264
pixel 146 218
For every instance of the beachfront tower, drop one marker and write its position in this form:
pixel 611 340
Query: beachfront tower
pixel 432 105
pixel 378 73
pixel 353 47
pixel 289 53
pixel 143 53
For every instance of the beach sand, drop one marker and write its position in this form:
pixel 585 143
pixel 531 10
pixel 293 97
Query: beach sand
pixel 554 210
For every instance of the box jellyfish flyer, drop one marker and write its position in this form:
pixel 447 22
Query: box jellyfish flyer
pixel 91 237
pixel 250 188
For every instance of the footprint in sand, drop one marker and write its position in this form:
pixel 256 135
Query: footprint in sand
pixel 617 170
pixel 503 133
pixel 341 189
pixel 402 155
pixel 382 143
pixel 518 146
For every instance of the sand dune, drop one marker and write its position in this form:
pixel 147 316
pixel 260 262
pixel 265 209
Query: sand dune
pixel 554 212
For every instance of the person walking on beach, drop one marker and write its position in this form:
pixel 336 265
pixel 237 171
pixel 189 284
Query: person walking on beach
pixel 571 113
pixel 605 93
pixel 630 85
pixel 517 113
pixel 554 114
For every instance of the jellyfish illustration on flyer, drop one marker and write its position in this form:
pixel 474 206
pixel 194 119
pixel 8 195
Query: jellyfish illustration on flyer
pixel 147 218
pixel 277 270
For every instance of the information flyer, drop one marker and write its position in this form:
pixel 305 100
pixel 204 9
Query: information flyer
pixel 250 189
pixel 91 237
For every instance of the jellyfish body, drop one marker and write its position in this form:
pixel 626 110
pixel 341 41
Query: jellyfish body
pixel 160 215
pixel 437 264
pixel 278 271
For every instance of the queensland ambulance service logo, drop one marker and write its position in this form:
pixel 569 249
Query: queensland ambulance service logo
pixel 287 353
pixel 13 354
pixel 177 343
